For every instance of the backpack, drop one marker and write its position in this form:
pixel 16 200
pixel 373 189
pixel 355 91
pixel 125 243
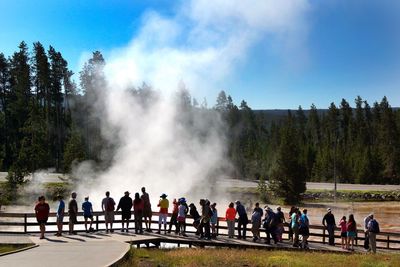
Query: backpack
pixel 373 226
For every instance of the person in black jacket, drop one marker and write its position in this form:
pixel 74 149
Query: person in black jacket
pixel 243 219
pixel 196 217
pixel 125 204
pixel 329 222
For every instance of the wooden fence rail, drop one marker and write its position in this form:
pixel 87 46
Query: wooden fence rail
pixel 25 223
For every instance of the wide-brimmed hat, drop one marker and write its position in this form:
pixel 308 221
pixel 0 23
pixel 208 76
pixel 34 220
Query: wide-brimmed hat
pixel 182 200
pixel 163 195
pixel 237 202
pixel 328 209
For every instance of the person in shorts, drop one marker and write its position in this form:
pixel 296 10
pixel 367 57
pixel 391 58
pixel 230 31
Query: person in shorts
pixel 351 232
pixel 42 210
pixel 60 215
pixel 88 214
pixel 162 219
pixel 125 204
pixel 72 213
pixel 147 213
pixel 108 207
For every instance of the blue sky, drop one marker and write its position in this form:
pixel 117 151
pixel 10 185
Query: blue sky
pixel 273 55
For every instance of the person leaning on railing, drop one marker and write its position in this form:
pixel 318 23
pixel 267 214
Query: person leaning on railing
pixel 329 222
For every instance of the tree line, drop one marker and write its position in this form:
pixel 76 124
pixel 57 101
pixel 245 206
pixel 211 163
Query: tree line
pixel 46 122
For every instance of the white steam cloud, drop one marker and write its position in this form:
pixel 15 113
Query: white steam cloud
pixel 200 45
pixel 206 40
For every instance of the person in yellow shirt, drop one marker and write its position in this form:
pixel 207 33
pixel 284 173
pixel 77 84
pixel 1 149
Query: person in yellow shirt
pixel 162 219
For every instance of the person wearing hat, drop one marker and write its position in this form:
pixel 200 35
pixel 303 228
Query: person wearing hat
pixel 72 213
pixel 60 215
pixel 366 240
pixel 162 218
pixel 182 212
pixel 329 222
pixel 125 204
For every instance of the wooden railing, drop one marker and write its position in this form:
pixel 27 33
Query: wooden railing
pixel 25 223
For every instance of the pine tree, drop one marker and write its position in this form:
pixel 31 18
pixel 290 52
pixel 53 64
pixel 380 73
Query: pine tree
pixel 18 106
pixel 74 150
pixel 288 179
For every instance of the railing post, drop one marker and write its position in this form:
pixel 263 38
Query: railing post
pixel 388 242
pixel 356 238
pixel 323 236
pixel 217 226
pixel 97 222
pixel 25 223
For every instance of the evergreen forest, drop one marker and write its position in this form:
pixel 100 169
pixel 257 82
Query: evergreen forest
pixel 45 123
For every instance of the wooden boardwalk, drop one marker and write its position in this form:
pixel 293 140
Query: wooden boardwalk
pixel 105 249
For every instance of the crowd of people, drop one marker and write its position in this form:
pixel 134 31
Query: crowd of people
pixel 206 219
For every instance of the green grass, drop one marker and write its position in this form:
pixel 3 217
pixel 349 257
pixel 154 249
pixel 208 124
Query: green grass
pixel 234 257
pixel 9 248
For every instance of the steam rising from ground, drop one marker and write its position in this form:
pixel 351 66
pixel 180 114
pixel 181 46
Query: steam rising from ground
pixel 160 146
pixel 156 147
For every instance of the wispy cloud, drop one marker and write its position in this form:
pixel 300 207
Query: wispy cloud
pixel 206 40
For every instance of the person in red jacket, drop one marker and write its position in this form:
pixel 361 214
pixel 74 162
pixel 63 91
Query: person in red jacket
pixel 230 216
pixel 42 211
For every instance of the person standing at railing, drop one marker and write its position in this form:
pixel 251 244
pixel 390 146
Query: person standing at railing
pixel 373 229
pixel 60 215
pixel 125 204
pixel 290 234
pixel 182 211
pixel 162 218
pixel 294 223
pixel 196 217
pixel 343 232
pixel 147 212
pixel 108 207
pixel 42 210
pixel 206 213
pixel 72 213
pixel 138 206
pixel 242 221
pixel 256 217
pixel 281 220
pixel 304 230
pixel 329 222
pixel 366 240
pixel 351 231
pixel 270 224
pixel 174 217
pixel 87 214
pixel 214 220
pixel 230 216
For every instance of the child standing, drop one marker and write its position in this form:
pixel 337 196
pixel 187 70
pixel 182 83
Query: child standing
pixel 214 220
pixel 351 231
pixel 343 232
pixel 182 211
